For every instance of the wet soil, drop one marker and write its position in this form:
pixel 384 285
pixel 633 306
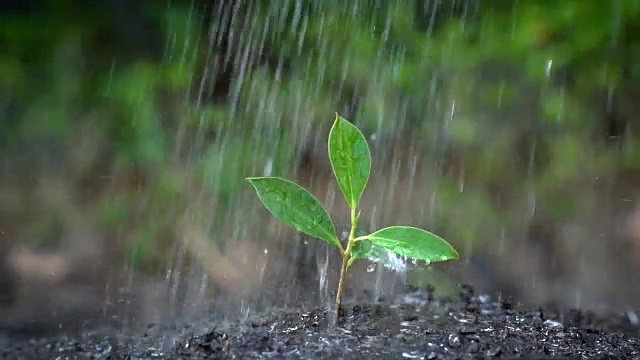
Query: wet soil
pixel 413 326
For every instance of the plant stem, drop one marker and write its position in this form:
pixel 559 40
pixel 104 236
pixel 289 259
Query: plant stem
pixel 345 260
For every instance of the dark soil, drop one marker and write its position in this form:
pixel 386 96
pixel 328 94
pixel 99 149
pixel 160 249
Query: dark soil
pixel 416 326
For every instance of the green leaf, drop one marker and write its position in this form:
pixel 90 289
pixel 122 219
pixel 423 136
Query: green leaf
pixel 350 159
pixel 295 206
pixel 413 242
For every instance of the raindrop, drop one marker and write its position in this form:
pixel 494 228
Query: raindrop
pixel 552 324
pixel 245 309
pixel 323 270
pixel 548 67
pixel 413 355
pixel 578 299
pixel 268 167
pixel 633 317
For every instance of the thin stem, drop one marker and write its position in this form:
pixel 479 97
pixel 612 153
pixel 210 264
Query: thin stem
pixel 345 260
pixel 340 248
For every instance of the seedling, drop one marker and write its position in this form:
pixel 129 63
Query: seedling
pixel 351 163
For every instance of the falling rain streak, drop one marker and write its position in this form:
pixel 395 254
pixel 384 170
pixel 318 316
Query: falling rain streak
pixel 507 130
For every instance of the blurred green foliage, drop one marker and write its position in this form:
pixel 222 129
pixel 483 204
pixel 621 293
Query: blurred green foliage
pixel 516 90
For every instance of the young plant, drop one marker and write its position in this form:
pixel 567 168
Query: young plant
pixel 351 163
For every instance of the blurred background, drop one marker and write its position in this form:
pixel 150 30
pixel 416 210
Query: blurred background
pixel 127 128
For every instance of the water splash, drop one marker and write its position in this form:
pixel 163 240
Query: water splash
pixel 390 261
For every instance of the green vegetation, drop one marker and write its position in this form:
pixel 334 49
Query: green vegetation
pixel 351 162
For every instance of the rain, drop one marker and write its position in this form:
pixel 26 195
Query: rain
pixel 127 132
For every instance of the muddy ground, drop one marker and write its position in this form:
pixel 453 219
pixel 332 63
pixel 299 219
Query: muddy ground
pixel 412 326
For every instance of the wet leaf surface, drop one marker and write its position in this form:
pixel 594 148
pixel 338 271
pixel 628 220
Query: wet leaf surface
pixel 295 206
pixel 415 325
pixel 350 159
pixel 413 242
